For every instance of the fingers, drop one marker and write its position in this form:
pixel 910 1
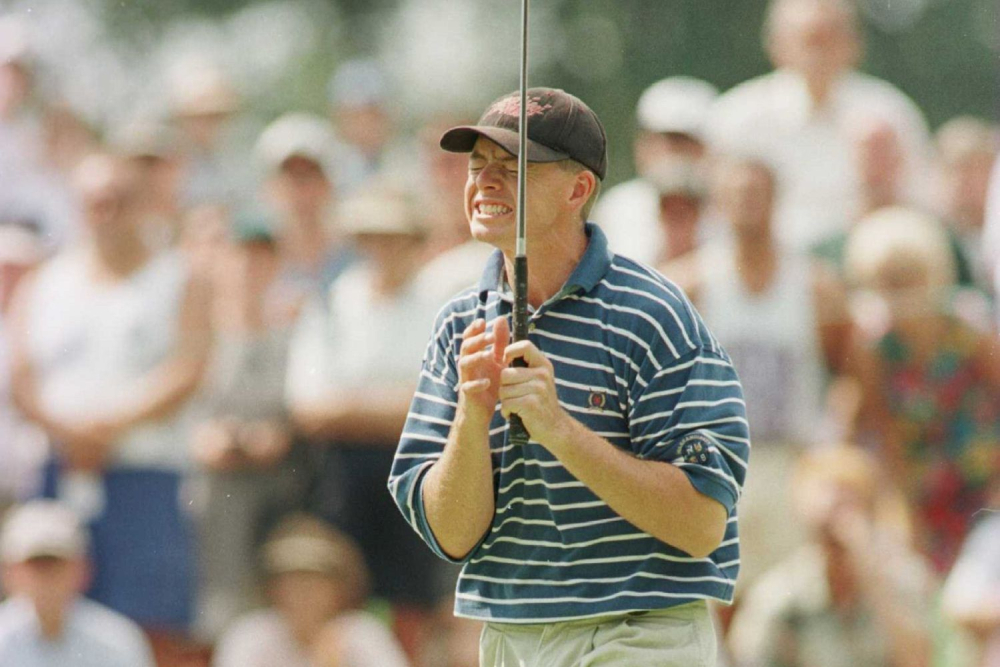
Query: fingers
pixel 473 339
pixel 526 350
pixel 501 338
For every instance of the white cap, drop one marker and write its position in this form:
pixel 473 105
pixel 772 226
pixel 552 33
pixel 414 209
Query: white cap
pixel 298 135
pixel 677 104
pixel 203 90
pixel 42 528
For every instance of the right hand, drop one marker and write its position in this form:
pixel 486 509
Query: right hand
pixel 479 364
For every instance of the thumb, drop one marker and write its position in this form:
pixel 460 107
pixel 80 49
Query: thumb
pixel 501 337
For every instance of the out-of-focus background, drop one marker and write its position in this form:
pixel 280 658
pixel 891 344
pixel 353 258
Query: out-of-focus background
pixel 226 228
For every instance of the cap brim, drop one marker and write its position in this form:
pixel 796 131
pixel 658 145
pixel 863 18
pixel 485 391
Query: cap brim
pixel 462 139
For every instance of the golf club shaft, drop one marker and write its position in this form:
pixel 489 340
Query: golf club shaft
pixel 518 434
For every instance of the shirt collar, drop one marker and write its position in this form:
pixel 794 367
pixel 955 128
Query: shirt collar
pixel 591 268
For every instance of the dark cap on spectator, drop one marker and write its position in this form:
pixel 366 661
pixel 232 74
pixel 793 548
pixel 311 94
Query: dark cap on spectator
pixel 40 529
pixel 560 126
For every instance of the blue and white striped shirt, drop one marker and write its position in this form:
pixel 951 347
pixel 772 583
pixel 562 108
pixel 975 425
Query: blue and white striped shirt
pixel 635 364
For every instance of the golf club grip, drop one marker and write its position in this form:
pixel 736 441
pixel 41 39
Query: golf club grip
pixel 518 433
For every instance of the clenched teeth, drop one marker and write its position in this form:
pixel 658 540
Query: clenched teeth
pixel 494 209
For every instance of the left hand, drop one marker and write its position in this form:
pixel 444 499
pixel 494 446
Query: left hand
pixel 530 392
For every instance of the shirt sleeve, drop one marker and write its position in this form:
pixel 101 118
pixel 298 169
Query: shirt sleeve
pixel 690 413
pixel 426 431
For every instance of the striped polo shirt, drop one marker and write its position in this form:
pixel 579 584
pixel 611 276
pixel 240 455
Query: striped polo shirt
pixel 635 364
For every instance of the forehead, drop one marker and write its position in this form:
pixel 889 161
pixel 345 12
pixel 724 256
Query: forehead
pixel 487 148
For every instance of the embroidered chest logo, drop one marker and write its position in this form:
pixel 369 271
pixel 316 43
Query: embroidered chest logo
pixel 597 400
pixel 694 449
pixel 511 106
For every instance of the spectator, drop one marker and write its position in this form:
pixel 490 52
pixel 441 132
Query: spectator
pixel 991 229
pixel 29 183
pixel 22 444
pixel 966 150
pixel 804 114
pixel 252 475
pixel 879 159
pixel 671 117
pixel 455 258
pixel 784 322
pixel 298 153
pixel 204 104
pixel 360 104
pixel 154 153
pixel 47 622
pixel 682 196
pixel 931 383
pixel 350 384
pixel 317 583
pixel 109 341
pixel 972 591
pixel 854 594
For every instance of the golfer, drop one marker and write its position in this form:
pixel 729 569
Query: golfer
pixel 600 541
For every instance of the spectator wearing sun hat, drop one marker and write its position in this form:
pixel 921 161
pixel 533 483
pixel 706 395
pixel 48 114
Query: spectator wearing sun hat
pixel 46 622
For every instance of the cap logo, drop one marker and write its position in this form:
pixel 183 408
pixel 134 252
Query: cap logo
pixel 511 106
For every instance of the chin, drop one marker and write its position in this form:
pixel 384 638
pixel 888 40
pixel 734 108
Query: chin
pixel 497 236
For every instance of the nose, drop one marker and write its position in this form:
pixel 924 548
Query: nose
pixel 490 177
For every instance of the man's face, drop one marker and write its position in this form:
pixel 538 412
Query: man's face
pixel 816 40
pixel 491 195
pixel 50 583
pixel 746 197
pixel 301 188
pixel 655 148
pixel 108 194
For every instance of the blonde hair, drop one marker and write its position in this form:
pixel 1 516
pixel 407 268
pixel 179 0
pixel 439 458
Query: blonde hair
pixel 898 236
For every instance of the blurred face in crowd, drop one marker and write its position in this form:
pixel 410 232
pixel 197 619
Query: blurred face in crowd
pixel 301 189
pixel 108 191
pixel 966 184
pixel 907 287
pixel 745 192
pixel 653 148
pixel 159 178
pixel 203 129
pixel 52 584
pixel 307 599
pixel 679 216
pixel 366 126
pixel 816 38
pixel 553 197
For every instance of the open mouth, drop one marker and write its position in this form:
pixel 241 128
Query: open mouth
pixel 492 210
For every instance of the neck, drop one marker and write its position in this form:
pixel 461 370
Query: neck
pixel 120 254
pixel 755 259
pixel 558 253
pixel 305 242
pixel 820 89
pixel 51 622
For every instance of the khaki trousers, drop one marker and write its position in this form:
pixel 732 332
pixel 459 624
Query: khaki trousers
pixel 680 636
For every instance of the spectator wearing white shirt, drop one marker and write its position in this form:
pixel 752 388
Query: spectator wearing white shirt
pixel 46 622
pixel 803 115
pixel 317 583
pixel 966 151
pixel 670 114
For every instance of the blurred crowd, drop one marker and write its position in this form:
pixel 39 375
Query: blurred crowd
pixel 208 348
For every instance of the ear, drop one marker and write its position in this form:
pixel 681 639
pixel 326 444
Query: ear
pixel 584 184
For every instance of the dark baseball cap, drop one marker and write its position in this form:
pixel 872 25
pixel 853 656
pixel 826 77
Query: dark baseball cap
pixel 560 126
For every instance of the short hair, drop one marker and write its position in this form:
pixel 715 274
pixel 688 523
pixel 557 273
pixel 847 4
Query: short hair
pixel 898 234
pixel 572 166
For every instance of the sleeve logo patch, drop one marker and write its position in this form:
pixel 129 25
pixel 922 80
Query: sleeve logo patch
pixel 694 449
